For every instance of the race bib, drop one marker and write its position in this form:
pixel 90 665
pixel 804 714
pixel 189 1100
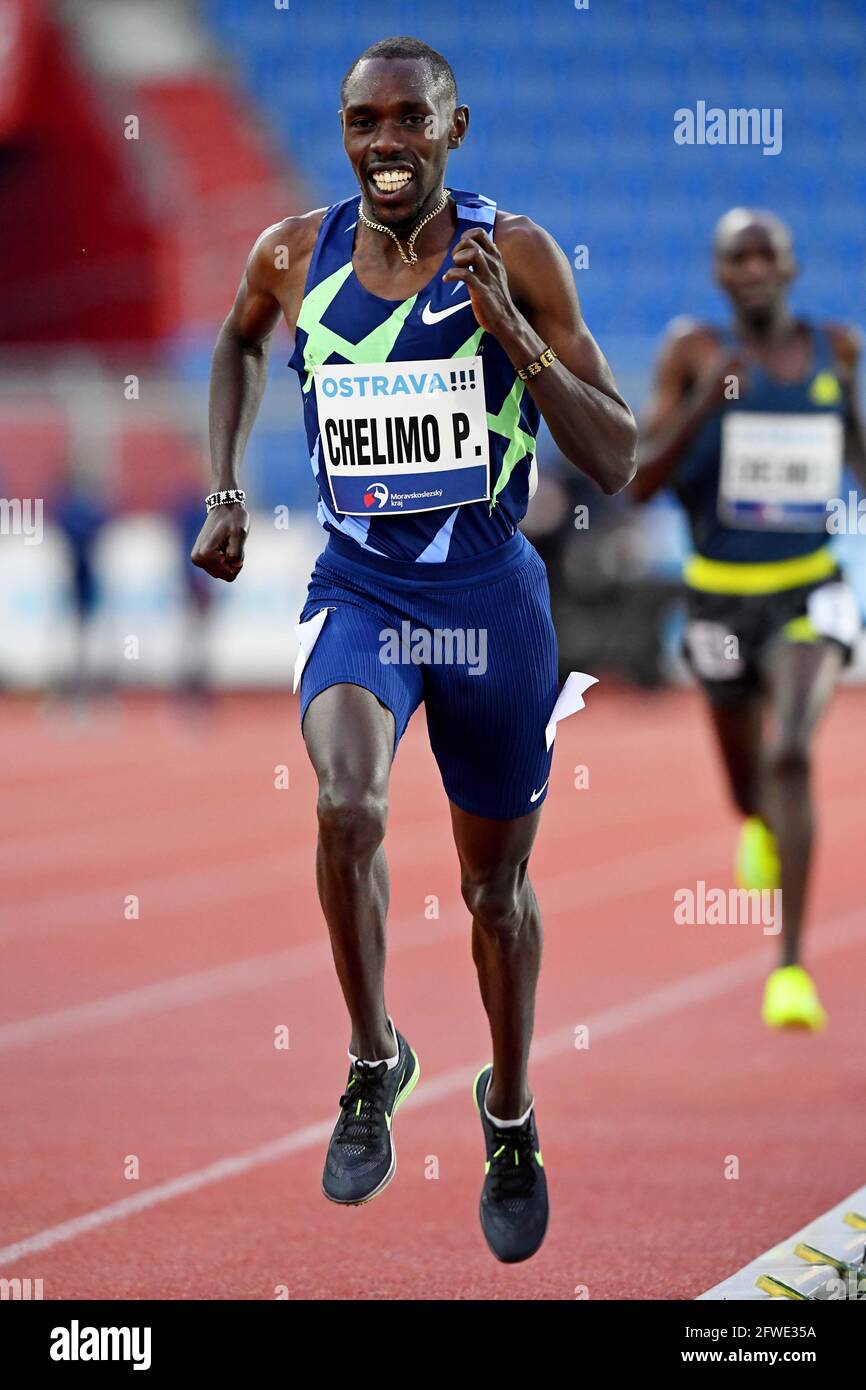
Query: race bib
pixel 399 437
pixel 778 471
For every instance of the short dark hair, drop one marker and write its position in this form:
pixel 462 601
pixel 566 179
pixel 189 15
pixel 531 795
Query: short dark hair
pixel 402 46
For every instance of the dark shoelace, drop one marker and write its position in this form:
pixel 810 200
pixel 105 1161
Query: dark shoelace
pixel 362 1105
pixel 513 1165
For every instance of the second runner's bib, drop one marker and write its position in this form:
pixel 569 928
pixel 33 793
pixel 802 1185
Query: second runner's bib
pixel 778 471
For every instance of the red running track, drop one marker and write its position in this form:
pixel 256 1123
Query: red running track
pixel 153 1036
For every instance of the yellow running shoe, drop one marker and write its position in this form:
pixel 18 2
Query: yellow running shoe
pixel 757 863
pixel 791 1000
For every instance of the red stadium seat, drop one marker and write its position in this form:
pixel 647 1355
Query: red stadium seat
pixel 154 466
pixel 34 449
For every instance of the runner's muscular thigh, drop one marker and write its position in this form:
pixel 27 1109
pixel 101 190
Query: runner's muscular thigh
pixel 349 736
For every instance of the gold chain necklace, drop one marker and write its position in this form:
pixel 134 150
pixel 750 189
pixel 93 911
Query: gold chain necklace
pixel 412 257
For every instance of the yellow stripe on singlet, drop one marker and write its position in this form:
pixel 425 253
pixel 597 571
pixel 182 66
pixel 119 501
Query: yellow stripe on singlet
pixel 766 577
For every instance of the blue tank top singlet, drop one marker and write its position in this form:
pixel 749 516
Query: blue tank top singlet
pixel 421 435
pixel 758 474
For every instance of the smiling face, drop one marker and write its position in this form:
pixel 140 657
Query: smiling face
pixel 398 127
pixel 754 266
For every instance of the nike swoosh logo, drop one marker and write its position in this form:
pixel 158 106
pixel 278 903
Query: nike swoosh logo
pixel 536 795
pixel 429 316
pixel 396 1094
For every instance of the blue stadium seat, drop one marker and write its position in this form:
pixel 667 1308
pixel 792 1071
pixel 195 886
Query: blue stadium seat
pixel 573 121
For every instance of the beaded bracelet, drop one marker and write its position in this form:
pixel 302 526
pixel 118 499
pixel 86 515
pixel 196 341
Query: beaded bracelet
pixel 225 499
pixel 547 358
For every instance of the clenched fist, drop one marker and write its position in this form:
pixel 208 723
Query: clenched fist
pixel 219 548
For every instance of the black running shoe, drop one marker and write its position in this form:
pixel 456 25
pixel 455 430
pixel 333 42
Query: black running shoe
pixel 361 1158
pixel 513 1206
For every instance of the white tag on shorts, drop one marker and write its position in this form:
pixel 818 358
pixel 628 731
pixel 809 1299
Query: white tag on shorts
pixel 779 471
pixel 834 612
pixel 307 634
pixel 402 437
pixel 569 700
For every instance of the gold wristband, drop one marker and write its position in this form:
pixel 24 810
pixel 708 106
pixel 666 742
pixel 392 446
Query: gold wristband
pixel 547 358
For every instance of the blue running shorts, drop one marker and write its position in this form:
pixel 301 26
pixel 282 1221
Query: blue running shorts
pixel 473 640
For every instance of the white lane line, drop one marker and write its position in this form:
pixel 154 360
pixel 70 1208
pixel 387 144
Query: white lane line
pixel 96 843
pixel 703 985
pixel 602 883
pixel 260 875
pixel 257 875
pixel 97 846
pixel 670 999
pixel 176 993
pixel 267 875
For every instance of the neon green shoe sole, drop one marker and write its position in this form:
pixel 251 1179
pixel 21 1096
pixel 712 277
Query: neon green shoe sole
pixel 757 863
pixel 791 1000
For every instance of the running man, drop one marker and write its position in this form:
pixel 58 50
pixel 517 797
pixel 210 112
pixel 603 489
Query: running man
pixel 431 331
pixel 750 424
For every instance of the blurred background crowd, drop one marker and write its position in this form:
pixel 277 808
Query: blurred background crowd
pixel 144 144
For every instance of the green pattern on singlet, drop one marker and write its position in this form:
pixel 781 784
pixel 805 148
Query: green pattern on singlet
pixel 378 345
pixel 520 444
pixel 506 423
pixel 322 341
